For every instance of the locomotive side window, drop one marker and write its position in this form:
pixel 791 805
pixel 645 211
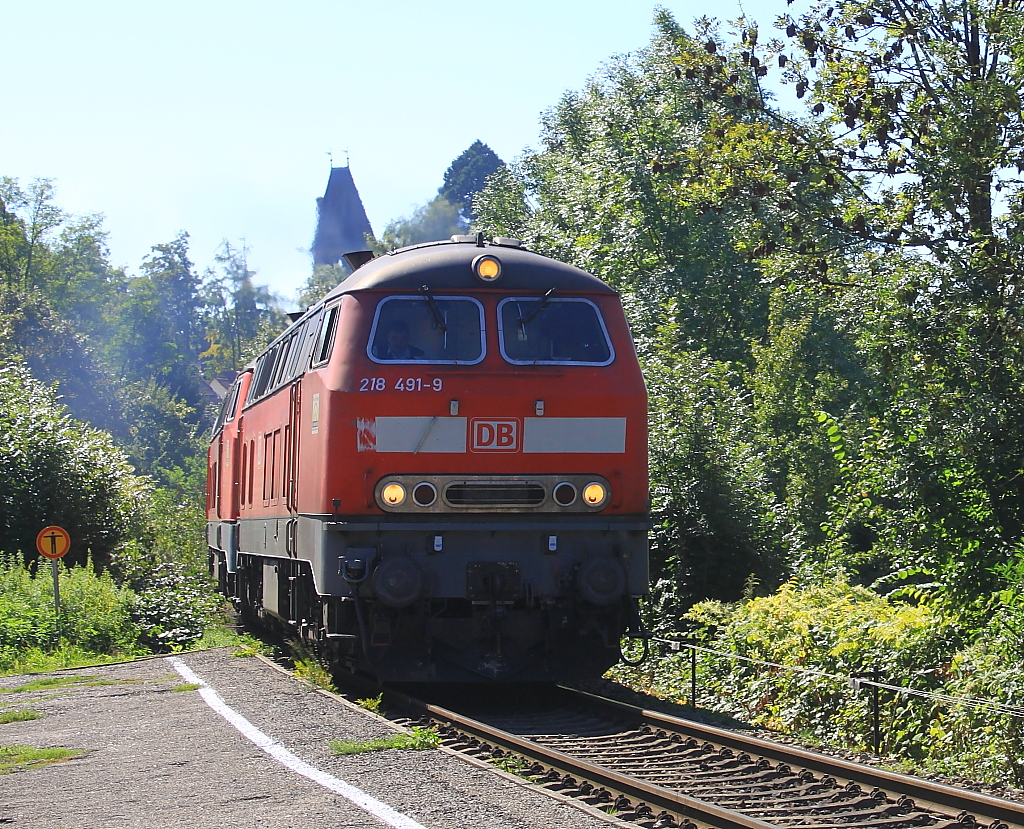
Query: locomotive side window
pixel 542 330
pixel 427 329
pixel 227 411
pixel 283 359
pixel 306 339
pixel 324 343
pixel 264 372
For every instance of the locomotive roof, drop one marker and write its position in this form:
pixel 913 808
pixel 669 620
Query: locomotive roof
pixel 447 266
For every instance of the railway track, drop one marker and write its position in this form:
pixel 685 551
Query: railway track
pixel 657 771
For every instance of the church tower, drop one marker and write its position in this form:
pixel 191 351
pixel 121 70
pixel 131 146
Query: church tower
pixel 341 225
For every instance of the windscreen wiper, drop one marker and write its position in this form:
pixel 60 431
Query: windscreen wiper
pixel 435 312
pixel 541 305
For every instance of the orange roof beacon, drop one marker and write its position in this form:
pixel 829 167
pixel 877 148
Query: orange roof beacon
pixel 439 471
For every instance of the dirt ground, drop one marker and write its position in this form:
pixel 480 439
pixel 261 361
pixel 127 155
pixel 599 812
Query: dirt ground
pixel 158 757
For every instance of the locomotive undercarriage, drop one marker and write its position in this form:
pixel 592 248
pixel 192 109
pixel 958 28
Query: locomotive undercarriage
pixel 489 605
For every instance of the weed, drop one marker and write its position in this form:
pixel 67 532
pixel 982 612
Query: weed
pixel 371 704
pixel 187 686
pixel 513 764
pixel 308 667
pixel 34 660
pixel 20 715
pixel 419 738
pixel 49 683
pixel 20 758
pixel 248 646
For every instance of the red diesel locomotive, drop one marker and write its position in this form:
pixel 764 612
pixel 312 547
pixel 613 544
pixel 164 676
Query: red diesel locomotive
pixel 439 472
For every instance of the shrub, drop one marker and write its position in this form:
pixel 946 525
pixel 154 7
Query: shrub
pixel 94 611
pixel 60 471
pixel 172 608
pixel 831 632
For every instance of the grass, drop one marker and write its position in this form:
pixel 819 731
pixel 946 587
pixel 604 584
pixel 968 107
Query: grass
pixel 246 645
pixel 21 715
pixel 21 758
pixel 187 686
pixel 371 704
pixel 49 683
pixel 420 738
pixel 39 661
pixel 307 667
pixel 513 764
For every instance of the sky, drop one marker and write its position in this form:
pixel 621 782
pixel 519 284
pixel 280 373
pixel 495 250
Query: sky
pixel 222 118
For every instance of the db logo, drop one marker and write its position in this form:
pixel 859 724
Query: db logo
pixel 495 435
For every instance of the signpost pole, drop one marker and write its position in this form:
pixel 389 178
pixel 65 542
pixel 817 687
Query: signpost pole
pixel 56 595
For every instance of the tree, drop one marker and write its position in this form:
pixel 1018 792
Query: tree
pixel 880 205
pixel 239 314
pixel 923 99
pixel 28 219
pixel 324 278
pixel 32 333
pixel 59 471
pixel 467 176
pixel 177 286
pixel 437 219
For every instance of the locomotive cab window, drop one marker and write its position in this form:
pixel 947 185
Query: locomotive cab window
pixel 541 329
pixel 427 329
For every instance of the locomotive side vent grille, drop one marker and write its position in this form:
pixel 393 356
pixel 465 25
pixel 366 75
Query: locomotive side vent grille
pixel 494 494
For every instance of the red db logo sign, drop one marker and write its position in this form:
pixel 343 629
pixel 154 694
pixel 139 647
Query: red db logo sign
pixel 495 435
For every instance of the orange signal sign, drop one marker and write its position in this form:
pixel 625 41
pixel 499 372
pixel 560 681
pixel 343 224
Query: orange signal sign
pixel 53 542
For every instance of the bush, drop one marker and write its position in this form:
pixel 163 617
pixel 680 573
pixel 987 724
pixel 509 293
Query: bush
pixel 172 608
pixel 95 612
pixel 60 471
pixel 840 631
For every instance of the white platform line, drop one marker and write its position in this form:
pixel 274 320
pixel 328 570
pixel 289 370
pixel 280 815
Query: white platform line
pixel 379 810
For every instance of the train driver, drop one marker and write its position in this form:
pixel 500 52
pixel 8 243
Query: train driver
pixel 398 346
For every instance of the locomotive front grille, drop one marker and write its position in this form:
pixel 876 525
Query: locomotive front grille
pixel 494 494
pixel 455 494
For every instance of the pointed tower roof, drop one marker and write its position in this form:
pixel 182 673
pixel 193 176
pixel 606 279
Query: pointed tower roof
pixel 341 225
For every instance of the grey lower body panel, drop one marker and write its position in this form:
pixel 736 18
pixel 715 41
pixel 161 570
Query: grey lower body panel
pixel 453 600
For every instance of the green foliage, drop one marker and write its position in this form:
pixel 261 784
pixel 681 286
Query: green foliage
pixel 28 222
pixel 417 739
pixel 57 353
pixel 21 758
pixel 95 612
pixel 821 634
pixel 19 715
pixel 309 668
pixel 35 660
pixel 323 279
pixel 50 683
pixel 59 471
pixel 437 219
pixel 467 176
pixel 172 608
pixel 249 646
pixel 371 704
pixel 241 317
pixel 714 520
pixel 122 353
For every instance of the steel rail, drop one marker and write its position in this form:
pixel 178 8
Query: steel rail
pixel 925 793
pixel 656 797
